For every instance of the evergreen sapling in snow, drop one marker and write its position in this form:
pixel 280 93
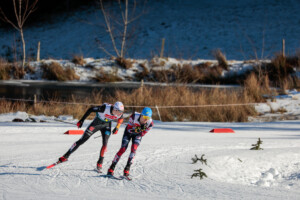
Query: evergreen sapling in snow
pixel 199 172
pixel 257 145
pixel 202 160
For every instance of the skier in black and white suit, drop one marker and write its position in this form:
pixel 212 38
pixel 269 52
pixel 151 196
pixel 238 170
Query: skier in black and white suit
pixel 102 122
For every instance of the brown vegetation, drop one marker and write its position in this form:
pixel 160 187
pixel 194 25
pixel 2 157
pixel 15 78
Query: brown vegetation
pixel 55 71
pixel 124 63
pixel 207 104
pixel 221 58
pixel 4 70
pixel 103 77
pixel 78 60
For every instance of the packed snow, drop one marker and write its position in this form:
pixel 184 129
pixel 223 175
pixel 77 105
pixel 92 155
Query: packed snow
pixel 163 165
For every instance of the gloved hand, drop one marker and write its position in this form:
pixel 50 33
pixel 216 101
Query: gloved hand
pixel 137 129
pixel 115 131
pixel 79 123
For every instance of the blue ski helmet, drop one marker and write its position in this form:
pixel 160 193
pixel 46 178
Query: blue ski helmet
pixel 147 112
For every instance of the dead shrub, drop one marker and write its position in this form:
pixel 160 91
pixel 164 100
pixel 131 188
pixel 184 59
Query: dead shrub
pixel 253 87
pixel 4 70
pixel 280 71
pixel 79 60
pixel 124 63
pixel 29 69
pixel 103 76
pixel 55 71
pixel 144 74
pixel 157 62
pixel 17 71
pixel 221 58
pixel 164 76
pixel 186 74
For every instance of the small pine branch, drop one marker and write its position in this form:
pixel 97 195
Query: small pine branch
pixel 199 173
pixel 257 145
pixel 202 160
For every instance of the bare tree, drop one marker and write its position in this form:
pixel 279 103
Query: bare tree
pixel 120 49
pixel 22 10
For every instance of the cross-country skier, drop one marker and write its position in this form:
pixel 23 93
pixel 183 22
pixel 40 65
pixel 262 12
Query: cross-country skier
pixel 104 116
pixel 139 125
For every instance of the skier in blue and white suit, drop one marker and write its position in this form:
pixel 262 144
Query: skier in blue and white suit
pixel 139 125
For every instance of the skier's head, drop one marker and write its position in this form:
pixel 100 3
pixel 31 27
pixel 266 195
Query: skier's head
pixel 118 108
pixel 146 114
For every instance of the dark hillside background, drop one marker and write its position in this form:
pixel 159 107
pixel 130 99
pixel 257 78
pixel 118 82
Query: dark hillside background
pixel 46 9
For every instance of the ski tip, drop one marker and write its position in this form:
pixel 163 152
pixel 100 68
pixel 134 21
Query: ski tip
pixel 50 166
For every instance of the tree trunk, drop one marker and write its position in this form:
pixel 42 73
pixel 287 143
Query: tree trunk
pixel 24 51
pixel 125 29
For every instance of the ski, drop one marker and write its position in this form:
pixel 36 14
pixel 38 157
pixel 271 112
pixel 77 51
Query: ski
pixel 126 178
pixel 98 170
pixel 54 164
pixel 111 177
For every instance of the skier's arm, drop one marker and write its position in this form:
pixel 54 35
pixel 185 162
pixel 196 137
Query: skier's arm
pixel 88 112
pixel 144 132
pixel 120 121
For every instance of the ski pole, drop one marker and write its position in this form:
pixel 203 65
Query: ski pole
pixel 64 121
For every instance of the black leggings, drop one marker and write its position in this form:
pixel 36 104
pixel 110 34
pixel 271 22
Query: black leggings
pixel 96 125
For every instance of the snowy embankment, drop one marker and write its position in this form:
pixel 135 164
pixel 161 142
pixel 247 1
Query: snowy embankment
pixel 91 67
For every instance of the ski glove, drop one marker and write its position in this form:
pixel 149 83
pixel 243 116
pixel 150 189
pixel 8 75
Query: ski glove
pixel 79 123
pixel 115 131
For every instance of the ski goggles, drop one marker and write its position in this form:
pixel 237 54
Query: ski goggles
pixel 118 112
pixel 146 117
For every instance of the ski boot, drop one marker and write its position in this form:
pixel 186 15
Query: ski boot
pixel 111 169
pixel 126 170
pixel 63 159
pixel 126 173
pixel 99 168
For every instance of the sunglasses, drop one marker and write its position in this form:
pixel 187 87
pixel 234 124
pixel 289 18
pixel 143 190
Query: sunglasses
pixel 118 111
pixel 145 117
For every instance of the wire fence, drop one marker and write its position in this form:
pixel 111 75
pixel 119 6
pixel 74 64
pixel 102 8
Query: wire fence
pixel 132 106
pixel 157 107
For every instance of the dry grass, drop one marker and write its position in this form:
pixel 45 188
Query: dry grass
pixel 4 70
pixel 8 70
pixel 103 77
pixel 221 58
pixel 79 60
pixel 165 96
pixel 180 96
pixel 55 71
pixel 124 63
pixel 202 73
pixel 144 74
pixel 281 70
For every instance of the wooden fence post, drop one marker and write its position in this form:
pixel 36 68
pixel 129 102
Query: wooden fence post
pixel 38 52
pixel 162 48
pixel 283 48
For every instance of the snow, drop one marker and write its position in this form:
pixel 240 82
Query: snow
pixel 162 168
